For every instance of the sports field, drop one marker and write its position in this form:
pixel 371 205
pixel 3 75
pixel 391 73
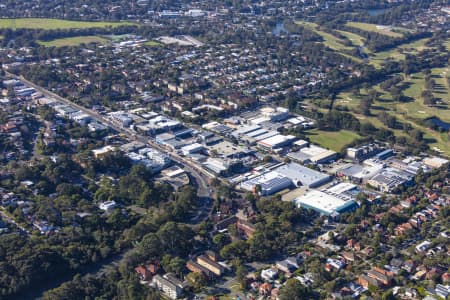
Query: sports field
pixel 74 41
pixel 48 24
pixel 334 140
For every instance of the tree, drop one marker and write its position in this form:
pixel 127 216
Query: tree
pixel 174 265
pixel 196 281
pixel 150 246
pixel 428 98
pixel 364 106
pixel 221 240
pixel 294 290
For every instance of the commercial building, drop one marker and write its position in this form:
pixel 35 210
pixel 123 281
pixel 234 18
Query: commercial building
pixel 324 203
pixel 193 148
pixel 384 154
pixel 363 152
pixel 222 166
pixel 303 176
pixel 318 155
pixel 162 124
pixel 390 178
pixel 275 114
pixel 360 173
pixel 121 118
pixel 435 162
pixel 277 141
pixel 269 183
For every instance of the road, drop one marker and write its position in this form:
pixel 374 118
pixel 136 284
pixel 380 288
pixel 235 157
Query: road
pixel 7 218
pixel 201 176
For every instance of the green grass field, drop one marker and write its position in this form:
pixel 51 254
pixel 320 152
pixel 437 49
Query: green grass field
pixel 329 40
pixel 334 140
pixel 407 112
pixel 74 41
pixel 356 40
pixel 48 24
pixel 398 53
pixel 375 28
pixel 152 44
pixel 447 44
pixel 417 109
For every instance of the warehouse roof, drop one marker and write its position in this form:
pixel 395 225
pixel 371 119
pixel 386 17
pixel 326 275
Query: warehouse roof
pixel 324 203
pixel 301 175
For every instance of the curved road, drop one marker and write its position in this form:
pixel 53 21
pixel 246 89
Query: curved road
pixel 200 175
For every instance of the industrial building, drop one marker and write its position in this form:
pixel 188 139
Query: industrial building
pixel 363 152
pixel 318 155
pixel 324 203
pixel 303 176
pixel 275 142
pixel 193 148
pixel 435 162
pixel 390 178
pixel 269 183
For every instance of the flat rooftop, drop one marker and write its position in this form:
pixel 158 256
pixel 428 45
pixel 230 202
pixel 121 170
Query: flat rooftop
pixel 300 174
pixel 324 203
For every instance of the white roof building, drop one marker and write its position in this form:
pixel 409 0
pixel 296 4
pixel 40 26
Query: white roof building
pixel 108 205
pixel 193 148
pixel 435 162
pixel 324 203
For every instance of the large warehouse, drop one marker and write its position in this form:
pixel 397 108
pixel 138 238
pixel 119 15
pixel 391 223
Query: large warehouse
pixel 303 176
pixel 324 203
pixel 270 183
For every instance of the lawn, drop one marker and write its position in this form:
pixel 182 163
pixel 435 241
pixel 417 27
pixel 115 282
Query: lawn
pixel 416 108
pixel 397 53
pixel 447 44
pixel 375 28
pixel 334 140
pixel 356 39
pixel 152 44
pixel 74 41
pixel 405 112
pixel 329 40
pixel 48 24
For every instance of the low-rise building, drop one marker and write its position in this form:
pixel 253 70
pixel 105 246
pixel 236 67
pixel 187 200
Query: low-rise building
pixel 268 183
pixel 211 265
pixel 108 205
pixel 269 274
pixel 275 142
pixel 324 203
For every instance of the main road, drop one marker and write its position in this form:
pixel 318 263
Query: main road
pixel 201 176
